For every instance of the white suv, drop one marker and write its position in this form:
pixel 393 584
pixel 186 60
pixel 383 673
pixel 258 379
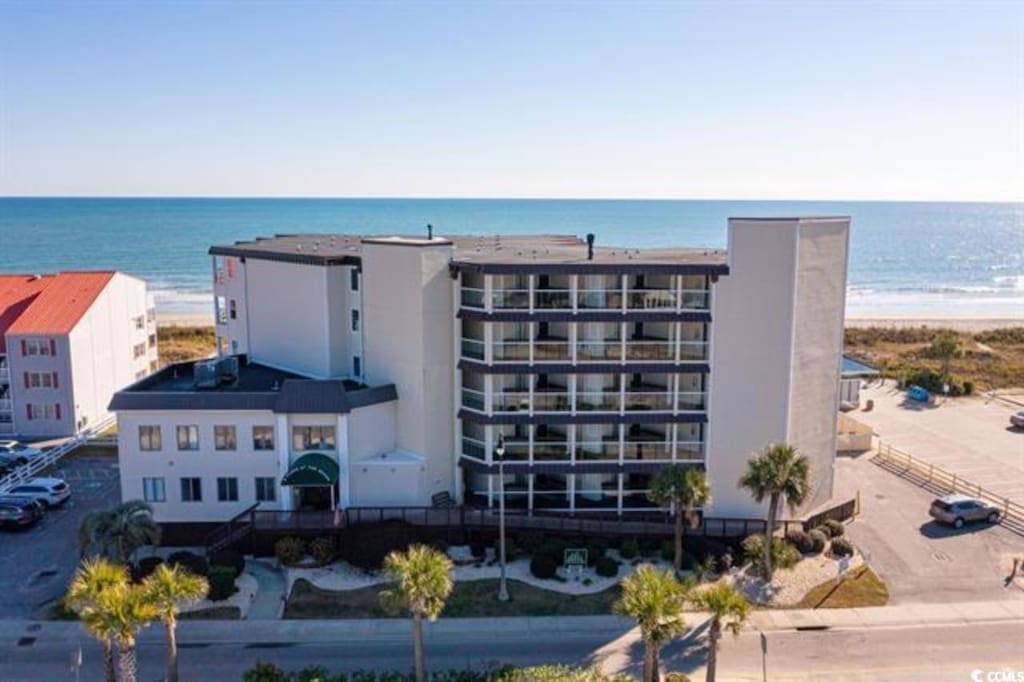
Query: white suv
pixel 18 453
pixel 51 492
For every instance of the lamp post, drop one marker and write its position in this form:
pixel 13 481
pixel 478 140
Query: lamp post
pixel 499 452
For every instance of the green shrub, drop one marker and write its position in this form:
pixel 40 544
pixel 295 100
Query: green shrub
pixel 818 541
pixel 511 550
pixel 366 544
pixel 726 561
pixel 530 541
pixel 753 548
pixel 544 566
pixel 190 562
pixel 668 550
pixel 143 568
pixel 835 528
pixel 801 540
pixel 264 672
pixel 478 549
pixel 630 548
pixel 322 549
pixel 650 547
pixel 596 548
pixel 676 676
pixel 842 547
pixel 222 582
pixel 289 550
pixel 607 567
pixel 968 388
pixel 229 557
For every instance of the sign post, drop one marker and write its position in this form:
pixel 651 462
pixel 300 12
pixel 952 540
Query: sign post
pixel 575 561
pixel 764 657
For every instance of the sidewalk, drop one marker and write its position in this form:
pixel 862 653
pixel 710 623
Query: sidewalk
pixel 329 631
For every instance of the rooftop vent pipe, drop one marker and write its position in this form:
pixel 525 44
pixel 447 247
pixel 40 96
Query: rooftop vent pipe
pixel 430 231
pixel 590 246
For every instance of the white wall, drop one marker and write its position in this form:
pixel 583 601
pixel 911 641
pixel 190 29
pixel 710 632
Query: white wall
pixel 407 294
pixel 371 430
pixel 776 337
pixel 232 286
pixel 21 396
pixel 245 463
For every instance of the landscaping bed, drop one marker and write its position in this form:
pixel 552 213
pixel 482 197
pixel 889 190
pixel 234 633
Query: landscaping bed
pixel 469 599
pixel 862 587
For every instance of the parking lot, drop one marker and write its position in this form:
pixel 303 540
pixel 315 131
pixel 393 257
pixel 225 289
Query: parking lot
pixel 969 437
pixel 36 564
pixel 921 560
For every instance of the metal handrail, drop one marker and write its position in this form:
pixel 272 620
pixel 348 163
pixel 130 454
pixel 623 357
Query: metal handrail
pixel 950 481
pixel 53 455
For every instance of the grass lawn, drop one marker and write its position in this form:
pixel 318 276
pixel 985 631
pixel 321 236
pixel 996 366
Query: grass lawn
pixel 861 588
pixel 177 344
pixel 213 613
pixel 473 598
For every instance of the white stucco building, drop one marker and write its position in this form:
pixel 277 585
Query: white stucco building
pixel 390 368
pixel 68 341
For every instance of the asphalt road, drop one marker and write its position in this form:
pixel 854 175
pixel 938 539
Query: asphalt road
pixel 935 653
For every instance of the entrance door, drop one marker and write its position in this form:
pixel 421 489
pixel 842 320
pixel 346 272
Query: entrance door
pixel 316 498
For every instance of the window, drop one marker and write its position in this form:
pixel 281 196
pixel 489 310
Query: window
pixel 38 347
pixel 233 309
pixel 149 439
pixel 234 347
pixel 41 380
pixel 188 437
pixel 224 438
pixel 227 490
pixel 357 366
pixel 138 350
pixel 266 490
pixel 353 279
pixel 222 345
pixel 222 310
pixel 263 438
pixel 218 269
pixel 355 320
pixel 152 340
pixel 140 322
pixel 153 490
pixel 191 490
pixel 312 437
pixel 42 411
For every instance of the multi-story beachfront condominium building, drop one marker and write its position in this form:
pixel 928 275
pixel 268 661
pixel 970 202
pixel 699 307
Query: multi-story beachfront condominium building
pixel 68 341
pixel 386 371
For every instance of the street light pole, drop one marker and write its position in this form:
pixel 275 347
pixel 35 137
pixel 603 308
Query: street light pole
pixel 499 451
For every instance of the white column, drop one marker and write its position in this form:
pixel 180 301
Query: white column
pixel 344 479
pixel 283 442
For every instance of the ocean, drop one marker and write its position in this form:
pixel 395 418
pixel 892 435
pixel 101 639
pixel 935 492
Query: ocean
pixel 913 259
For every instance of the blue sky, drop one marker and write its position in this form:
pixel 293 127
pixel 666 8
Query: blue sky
pixel 860 100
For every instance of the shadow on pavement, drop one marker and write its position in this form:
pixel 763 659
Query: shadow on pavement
pixel 938 531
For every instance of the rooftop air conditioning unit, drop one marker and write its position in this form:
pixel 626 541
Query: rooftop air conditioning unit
pixel 205 374
pixel 227 369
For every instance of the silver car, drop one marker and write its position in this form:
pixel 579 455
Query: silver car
pixel 957 510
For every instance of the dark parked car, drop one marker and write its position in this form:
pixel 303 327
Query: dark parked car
pixel 957 510
pixel 19 512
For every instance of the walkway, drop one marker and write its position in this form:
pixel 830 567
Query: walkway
pixel 269 601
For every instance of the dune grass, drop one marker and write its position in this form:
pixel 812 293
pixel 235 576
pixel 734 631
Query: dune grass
pixel 862 587
pixel 178 344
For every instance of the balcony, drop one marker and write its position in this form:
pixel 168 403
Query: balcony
pixel 473 348
pixel 552 299
pixel 693 350
pixel 510 299
pixel 551 399
pixel 545 450
pixel 551 349
pixel 609 350
pixel 649 348
pixel 648 401
pixel 597 451
pixel 599 299
pixel 602 401
pixel 512 350
pixel 512 399
pixel 6 405
pixel 474 399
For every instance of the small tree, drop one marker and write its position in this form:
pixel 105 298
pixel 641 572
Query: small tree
pixel 423 581
pixel 116 533
pixel 683 488
pixel 168 588
pixel 654 599
pixel 945 347
pixel 777 473
pixel 94 577
pixel 729 609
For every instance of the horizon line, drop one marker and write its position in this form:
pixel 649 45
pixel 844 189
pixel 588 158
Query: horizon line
pixel 494 198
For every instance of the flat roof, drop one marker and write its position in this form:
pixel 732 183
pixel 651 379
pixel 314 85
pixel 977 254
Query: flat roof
pixel 257 387
pixel 855 368
pixel 550 252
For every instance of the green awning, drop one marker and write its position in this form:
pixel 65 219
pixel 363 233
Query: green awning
pixel 312 469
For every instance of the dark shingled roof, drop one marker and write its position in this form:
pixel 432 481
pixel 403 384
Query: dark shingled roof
pixel 258 388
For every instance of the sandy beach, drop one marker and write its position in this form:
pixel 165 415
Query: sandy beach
pixel 184 319
pixel 958 323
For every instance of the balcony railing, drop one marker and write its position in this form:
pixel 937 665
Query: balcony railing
pixel 474 399
pixel 474 447
pixel 512 400
pixel 651 349
pixel 692 400
pixel 550 451
pixel 551 350
pixel 648 299
pixel 551 401
pixel 639 401
pixel 597 401
pixel 609 350
pixel 693 350
pixel 695 299
pixel 5 405
pixel 552 299
pixel 512 350
pixel 517 299
pixel 473 348
pixel 599 299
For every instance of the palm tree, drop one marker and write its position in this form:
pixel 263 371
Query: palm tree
pixel 117 532
pixel 423 581
pixel 777 473
pixel 169 587
pixel 93 578
pixel 683 488
pixel 121 611
pixel 653 598
pixel 729 609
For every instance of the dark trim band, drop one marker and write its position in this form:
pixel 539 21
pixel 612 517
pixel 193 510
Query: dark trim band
pixel 642 417
pixel 629 367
